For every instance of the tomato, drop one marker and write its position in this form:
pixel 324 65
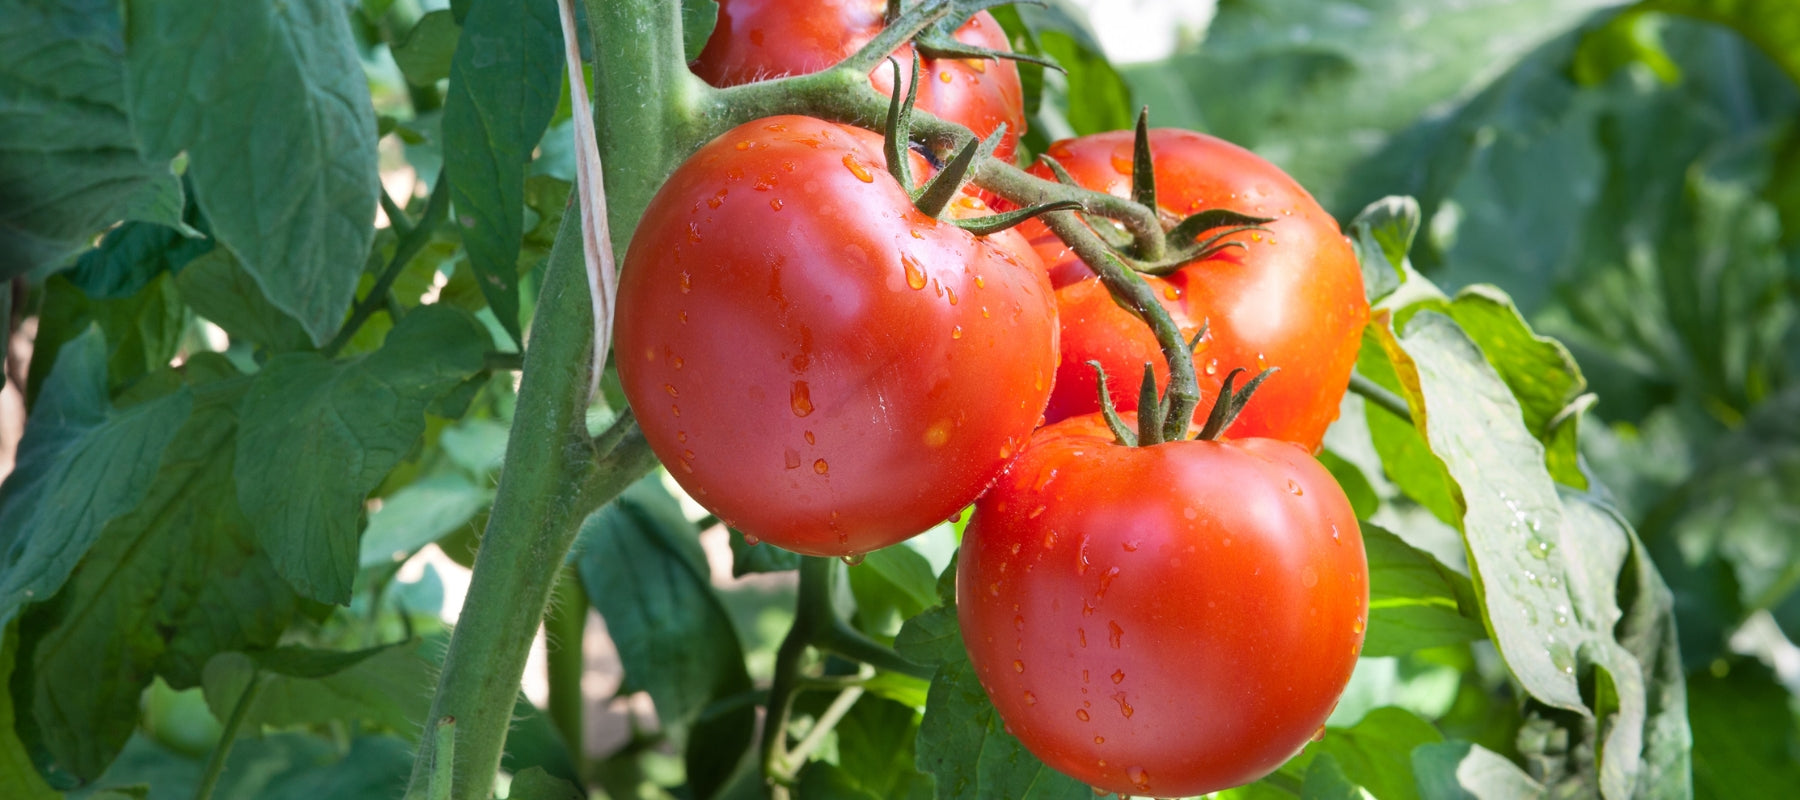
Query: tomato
pixel 758 39
pixel 1166 620
pixel 816 361
pixel 1291 298
pixel 1094 327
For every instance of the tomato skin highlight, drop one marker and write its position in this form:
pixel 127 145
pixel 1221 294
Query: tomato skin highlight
pixel 1167 620
pixel 812 358
pixel 760 39
pixel 1291 298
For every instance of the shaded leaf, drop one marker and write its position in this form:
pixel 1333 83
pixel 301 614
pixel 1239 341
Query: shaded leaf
pixel 536 784
pixel 16 770
pixel 319 435
pixel 217 287
pixel 424 53
pixel 1414 602
pixel 420 514
pixel 1464 771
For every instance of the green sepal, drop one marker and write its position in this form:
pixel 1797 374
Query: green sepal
pixel 1227 405
pixel 1111 414
pixel 1143 172
pixel 994 223
pixel 896 138
pixel 1150 410
pixel 936 196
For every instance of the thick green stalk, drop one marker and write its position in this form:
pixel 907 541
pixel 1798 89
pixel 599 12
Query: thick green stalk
pixel 564 626
pixel 555 473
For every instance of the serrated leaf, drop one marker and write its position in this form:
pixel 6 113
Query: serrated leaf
pixel 504 82
pixel 1414 602
pixel 963 744
pixel 319 435
pixel 1383 233
pixel 932 637
pixel 165 587
pixel 1464 771
pixel 280 146
pixel 217 287
pixel 891 585
pixel 80 465
pixel 69 165
pixel 424 53
pixel 697 20
pixel 875 746
pixel 641 561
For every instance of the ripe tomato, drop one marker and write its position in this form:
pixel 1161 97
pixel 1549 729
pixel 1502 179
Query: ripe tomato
pixel 1166 620
pixel 1096 328
pixel 1293 298
pixel 759 39
pixel 816 361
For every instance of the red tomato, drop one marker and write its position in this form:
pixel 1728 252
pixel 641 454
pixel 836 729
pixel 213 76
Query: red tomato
pixel 1096 328
pixel 759 39
pixel 1167 620
pixel 1292 299
pixel 816 361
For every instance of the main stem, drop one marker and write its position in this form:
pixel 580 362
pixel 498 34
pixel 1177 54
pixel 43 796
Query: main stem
pixel 555 475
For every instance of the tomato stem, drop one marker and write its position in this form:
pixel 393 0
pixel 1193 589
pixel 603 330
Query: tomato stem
pixel 1379 395
pixel 413 239
pixel 215 764
pixel 1124 435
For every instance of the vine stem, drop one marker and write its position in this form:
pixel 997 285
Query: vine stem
pixel 1380 395
pixel 215 765
pixel 412 240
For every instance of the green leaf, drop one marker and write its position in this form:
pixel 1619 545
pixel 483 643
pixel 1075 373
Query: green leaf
pixel 1464 771
pixel 1414 602
pixel 1374 753
pixel 747 558
pixel 424 53
pixel 80 465
pixel 1772 24
pixel 1098 99
pixel 1383 233
pixel 697 20
pixel 16 770
pixel 504 81
pixel 932 637
pixel 281 146
pixel 319 435
pixel 165 587
pixel 963 744
pixel 1325 780
pixel 420 514
pixel 641 561
pixel 827 781
pixel 217 287
pixel 1406 456
pixel 891 585
pixel 388 686
pixel 69 166
pixel 1744 733
pixel 536 784
pixel 132 254
pixel 875 747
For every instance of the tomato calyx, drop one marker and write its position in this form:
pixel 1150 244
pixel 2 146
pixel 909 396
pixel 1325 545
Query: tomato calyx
pixel 938 40
pixel 1227 406
pixel 934 198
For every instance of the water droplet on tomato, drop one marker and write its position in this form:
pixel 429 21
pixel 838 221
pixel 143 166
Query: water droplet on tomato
pixel 775 203
pixel 681 436
pixel 856 167
pixel 1018 666
pixel 1131 546
pixel 677 362
pixel 915 276
pixel 670 388
pixel 1118 677
pixel 1081 636
pixel 1171 293
pixel 944 76
pixel 1212 367
pixel 994 589
pixel 1358 625
pixel 1106 580
pixel 685 466
pixel 956 331
pixel 752 539
pixel 1036 512
pixel 1139 776
pixel 1319 735
pixel 1336 538
pixel 1030 699
pixel 1125 708
pixel 675 409
pixel 1294 488
pixel 950 294
pixel 1115 633
pixel 1081 714
pixel 821 467
pixel 687 282
pixel 681 316
pixel 801 399
pixel 809 437
pixel 1018 622
pixel 743 145
pixel 1081 557
pixel 792 458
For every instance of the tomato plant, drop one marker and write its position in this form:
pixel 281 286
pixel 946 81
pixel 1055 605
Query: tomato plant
pixel 1289 297
pixel 760 39
pixel 821 364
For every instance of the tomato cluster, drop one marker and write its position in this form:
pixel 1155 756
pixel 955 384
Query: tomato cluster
pixel 832 368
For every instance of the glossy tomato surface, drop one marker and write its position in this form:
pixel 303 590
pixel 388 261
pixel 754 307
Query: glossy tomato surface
pixel 760 39
pixel 1166 620
pixel 1291 298
pixel 814 360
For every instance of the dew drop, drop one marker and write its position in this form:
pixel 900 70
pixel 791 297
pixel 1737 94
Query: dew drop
pixel 682 316
pixel 1018 622
pixel 821 467
pixel 1030 699
pixel 1106 580
pixel 809 437
pixel 675 409
pixel 1336 538
pixel 994 589
pixel 1118 677
pixel 956 331
pixel 1190 512
pixel 1084 677
pixel 1081 557
pixel 1038 512
pixel 1115 633
pixel 1139 776
pixel 1099 740
pixel 1018 666
pixel 1319 735
pixel 1124 707
pixel 752 539
pixel 951 294
pixel 792 457
pixel 687 282
pixel 775 203
pixel 681 436
pixel 1081 714
pixel 1049 539
pixel 801 399
pixel 677 362
pixel 1294 488
pixel 944 76
pixel 1081 636
pixel 1358 625
pixel 972 202
pixel 1212 367
pixel 743 145
pixel 854 558
pixel 856 168
pixel 915 276
pixel 980 283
